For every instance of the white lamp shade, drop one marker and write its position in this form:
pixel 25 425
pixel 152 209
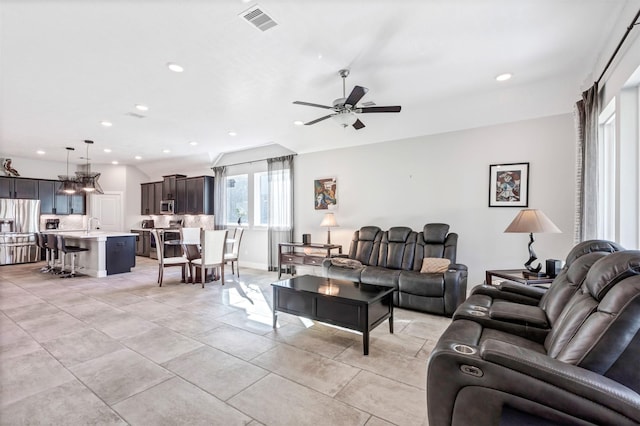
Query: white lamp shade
pixel 532 221
pixel 329 220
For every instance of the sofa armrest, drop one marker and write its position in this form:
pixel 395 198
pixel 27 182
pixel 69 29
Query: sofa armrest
pixel 521 314
pixel 510 292
pixel 576 380
pixel 455 287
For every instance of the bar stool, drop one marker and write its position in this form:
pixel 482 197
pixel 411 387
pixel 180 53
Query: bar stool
pixel 52 247
pixel 41 240
pixel 65 249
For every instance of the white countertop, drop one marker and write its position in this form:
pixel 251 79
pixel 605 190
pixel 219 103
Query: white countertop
pixel 94 234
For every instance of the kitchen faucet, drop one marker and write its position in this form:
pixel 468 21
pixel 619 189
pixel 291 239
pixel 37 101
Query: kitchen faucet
pixel 89 223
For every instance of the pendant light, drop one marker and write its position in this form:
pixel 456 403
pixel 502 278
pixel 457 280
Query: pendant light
pixel 87 180
pixel 69 183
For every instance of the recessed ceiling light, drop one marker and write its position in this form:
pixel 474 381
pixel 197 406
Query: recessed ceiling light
pixel 193 143
pixel 298 123
pixel 319 55
pixel 232 133
pixel 137 157
pixel 107 150
pixel 166 151
pixel 114 162
pixel 503 77
pixel 174 67
pixel 106 123
pixel 142 107
pixel 40 152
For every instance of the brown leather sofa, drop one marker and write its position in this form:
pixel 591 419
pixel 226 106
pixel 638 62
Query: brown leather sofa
pixel 583 372
pixel 394 258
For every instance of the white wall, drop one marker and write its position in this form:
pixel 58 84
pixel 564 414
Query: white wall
pixel 445 178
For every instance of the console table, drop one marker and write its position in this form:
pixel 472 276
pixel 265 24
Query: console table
pixel 295 254
pixel 517 275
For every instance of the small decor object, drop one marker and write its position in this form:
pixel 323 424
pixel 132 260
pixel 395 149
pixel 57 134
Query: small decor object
pixel 8 168
pixel 325 191
pixel 530 221
pixel 329 220
pixel 306 238
pixel 509 185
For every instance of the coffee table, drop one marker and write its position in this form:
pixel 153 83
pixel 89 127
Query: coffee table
pixel 356 306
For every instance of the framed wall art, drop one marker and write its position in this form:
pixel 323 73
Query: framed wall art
pixel 325 193
pixel 509 185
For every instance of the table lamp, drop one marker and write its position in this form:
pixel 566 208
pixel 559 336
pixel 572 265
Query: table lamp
pixel 329 220
pixel 530 221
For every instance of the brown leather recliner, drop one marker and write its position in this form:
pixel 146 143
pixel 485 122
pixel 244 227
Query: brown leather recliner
pixel 585 372
pixel 503 309
pixel 394 258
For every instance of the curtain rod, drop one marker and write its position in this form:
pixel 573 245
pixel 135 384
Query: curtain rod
pixel 615 52
pixel 252 161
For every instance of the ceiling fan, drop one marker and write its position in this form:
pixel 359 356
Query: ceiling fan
pixel 346 107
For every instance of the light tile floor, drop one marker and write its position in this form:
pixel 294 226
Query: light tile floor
pixel 121 350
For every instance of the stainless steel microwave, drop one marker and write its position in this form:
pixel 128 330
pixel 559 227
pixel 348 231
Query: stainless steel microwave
pixel 167 207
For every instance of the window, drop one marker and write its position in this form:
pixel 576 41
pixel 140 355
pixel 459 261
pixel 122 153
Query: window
pixel 237 199
pixel 607 173
pixel 261 204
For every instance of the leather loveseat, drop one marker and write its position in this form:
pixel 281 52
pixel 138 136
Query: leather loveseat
pixel 583 372
pixel 395 257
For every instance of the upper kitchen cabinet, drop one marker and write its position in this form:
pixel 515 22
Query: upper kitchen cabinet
pixel 148 198
pixel 169 190
pixel 181 196
pixel 52 202
pixel 199 198
pixel 15 187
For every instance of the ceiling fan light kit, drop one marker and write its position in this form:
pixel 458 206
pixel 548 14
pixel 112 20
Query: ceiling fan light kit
pixel 345 109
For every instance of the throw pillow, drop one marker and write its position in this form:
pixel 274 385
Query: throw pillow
pixel 434 265
pixel 346 262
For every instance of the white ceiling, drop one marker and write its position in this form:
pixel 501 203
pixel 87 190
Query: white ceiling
pixel 67 65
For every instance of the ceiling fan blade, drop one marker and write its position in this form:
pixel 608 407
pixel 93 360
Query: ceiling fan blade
pixel 313 105
pixel 358 125
pixel 356 94
pixel 380 109
pixel 318 119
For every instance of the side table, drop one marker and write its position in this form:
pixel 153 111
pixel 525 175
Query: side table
pixel 517 275
pixel 294 254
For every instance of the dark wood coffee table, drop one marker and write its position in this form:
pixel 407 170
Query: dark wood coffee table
pixel 360 307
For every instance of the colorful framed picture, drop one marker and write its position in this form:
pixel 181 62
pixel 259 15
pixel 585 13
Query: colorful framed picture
pixel 325 192
pixel 509 185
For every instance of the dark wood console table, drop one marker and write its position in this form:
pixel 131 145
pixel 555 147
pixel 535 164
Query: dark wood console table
pixel 517 275
pixel 294 254
pixel 357 306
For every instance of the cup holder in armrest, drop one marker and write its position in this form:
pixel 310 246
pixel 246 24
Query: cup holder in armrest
pixel 477 313
pixel 464 349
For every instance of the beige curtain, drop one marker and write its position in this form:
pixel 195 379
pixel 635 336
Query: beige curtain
pixel 220 197
pixel 280 178
pixel 586 219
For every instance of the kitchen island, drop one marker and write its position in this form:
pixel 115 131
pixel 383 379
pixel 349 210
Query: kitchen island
pixel 109 252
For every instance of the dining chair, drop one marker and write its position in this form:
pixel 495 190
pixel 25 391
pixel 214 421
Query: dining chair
pixel 212 244
pixel 235 250
pixel 190 238
pixel 165 262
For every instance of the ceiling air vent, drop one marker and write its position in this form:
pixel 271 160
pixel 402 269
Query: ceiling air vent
pixel 258 18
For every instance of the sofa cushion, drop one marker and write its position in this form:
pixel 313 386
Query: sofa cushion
pixel 434 265
pixel 419 284
pixel 380 276
pixel 435 233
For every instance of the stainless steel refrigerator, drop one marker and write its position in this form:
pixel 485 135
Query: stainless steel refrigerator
pixel 19 223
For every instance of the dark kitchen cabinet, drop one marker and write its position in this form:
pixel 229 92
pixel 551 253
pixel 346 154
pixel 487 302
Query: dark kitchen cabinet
pixel 15 187
pixel 195 195
pixel 151 195
pixel 51 202
pixel 181 196
pixel 169 190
